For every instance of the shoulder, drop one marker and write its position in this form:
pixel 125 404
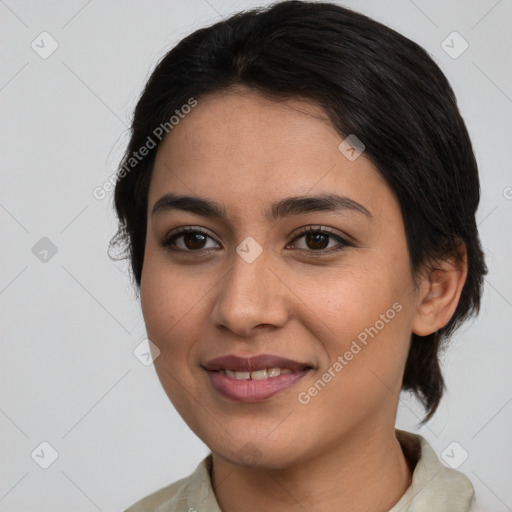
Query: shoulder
pixel 183 495
pixel 153 501
pixel 434 486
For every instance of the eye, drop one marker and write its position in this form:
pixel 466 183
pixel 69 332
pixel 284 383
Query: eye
pixel 317 240
pixel 193 240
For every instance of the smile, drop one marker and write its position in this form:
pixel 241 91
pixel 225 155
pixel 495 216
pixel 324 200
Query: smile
pixel 254 379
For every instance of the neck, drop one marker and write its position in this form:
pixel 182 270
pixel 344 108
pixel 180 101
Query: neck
pixel 365 473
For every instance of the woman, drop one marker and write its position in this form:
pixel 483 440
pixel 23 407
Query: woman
pixel 298 204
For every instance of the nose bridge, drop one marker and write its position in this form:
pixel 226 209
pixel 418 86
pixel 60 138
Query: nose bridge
pixel 250 293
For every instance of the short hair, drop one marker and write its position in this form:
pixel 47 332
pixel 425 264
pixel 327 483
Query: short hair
pixel 373 83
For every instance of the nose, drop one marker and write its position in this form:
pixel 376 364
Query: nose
pixel 251 295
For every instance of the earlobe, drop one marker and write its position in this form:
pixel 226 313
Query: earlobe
pixel 440 292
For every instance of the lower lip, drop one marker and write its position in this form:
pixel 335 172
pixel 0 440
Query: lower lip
pixel 251 390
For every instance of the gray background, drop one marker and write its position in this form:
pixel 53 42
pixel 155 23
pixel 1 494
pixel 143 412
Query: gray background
pixel 70 324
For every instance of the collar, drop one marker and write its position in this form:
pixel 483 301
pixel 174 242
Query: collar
pixel 433 487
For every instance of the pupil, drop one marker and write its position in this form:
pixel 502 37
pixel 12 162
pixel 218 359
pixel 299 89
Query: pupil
pixel 188 238
pixel 316 241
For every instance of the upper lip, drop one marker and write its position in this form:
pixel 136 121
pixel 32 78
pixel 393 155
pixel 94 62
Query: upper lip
pixel 254 363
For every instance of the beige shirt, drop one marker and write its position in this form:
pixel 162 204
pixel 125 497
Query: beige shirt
pixel 434 487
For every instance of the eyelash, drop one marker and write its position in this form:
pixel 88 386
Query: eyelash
pixel 168 240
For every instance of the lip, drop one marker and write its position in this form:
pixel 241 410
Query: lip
pixel 254 363
pixel 251 390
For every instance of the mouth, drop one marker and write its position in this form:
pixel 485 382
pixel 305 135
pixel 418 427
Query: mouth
pixel 253 379
pixel 254 364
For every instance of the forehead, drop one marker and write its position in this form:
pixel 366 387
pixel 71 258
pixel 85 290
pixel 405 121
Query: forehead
pixel 241 147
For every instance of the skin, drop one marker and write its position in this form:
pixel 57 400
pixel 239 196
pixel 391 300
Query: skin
pixel 339 451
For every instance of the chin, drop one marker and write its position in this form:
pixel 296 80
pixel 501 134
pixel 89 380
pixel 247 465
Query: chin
pixel 258 452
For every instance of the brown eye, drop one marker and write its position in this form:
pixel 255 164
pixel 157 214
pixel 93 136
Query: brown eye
pixel 318 240
pixel 187 240
pixel 194 241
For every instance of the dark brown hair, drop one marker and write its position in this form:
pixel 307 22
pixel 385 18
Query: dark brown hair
pixel 373 83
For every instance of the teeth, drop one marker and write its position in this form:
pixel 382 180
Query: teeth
pixel 258 374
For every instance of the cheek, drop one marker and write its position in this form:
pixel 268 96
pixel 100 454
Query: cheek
pixel 171 306
pixel 167 296
pixel 371 340
pixel 164 303
pixel 366 314
pixel 364 364
pixel 175 302
pixel 353 299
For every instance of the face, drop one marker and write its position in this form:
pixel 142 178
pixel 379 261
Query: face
pixel 332 308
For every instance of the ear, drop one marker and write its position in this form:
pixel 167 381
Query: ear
pixel 439 292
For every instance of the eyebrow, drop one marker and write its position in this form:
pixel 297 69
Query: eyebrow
pixel 283 208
